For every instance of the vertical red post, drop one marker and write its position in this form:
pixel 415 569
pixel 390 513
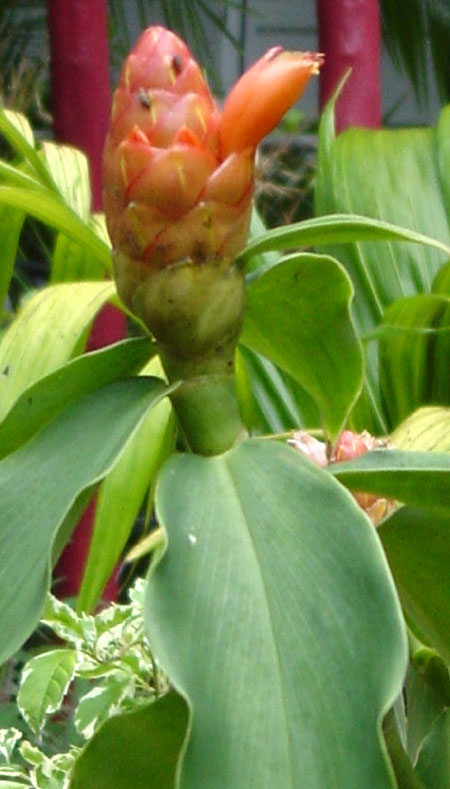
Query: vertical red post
pixel 349 35
pixel 81 97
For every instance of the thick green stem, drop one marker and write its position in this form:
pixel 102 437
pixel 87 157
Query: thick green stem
pixel 208 413
pixel 196 313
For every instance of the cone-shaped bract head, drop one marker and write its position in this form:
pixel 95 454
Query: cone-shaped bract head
pixel 178 175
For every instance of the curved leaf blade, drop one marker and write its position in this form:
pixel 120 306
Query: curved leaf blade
pixel 417 545
pixel 433 764
pixel 298 316
pixel 45 334
pixel 421 479
pixel 121 494
pixel 259 618
pixel 356 173
pixel 41 481
pixel 45 681
pixel 414 362
pixel 15 128
pixel 427 429
pixel 44 399
pixel 336 229
pixel 52 211
pixel 139 749
pixel 70 171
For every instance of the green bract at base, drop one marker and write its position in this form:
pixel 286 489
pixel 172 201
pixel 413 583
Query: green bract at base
pixel 195 312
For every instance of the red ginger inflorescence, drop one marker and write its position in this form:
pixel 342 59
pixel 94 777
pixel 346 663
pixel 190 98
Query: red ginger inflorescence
pixel 178 172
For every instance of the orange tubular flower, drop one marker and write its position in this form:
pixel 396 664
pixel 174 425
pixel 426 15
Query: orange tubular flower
pixel 178 173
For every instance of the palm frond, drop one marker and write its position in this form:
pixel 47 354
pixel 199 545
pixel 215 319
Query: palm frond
pixel 192 20
pixel 413 30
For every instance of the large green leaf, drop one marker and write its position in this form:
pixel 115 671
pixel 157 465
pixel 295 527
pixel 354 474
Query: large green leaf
pixel 45 334
pixel 40 482
pixel 41 401
pixel 139 750
pixel 421 479
pixel 298 315
pixel 121 494
pixel 414 360
pixel 274 614
pixel 417 544
pixel 394 176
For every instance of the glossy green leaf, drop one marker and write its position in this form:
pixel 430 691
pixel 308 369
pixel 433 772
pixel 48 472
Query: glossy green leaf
pixel 270 401
pixel 339 228
pixel 10 118
pixel 11 221
pixel 139 749
pixel 394 176
pixel 15 128
pixel 424 706
pixel 287 657
pixel 441 282
pixel 52 211
pixel 421 479
pixel 70 171
pixel 443 154
pixel 414 361
pixel 257 231
pixel 9 174
pixel 411 45
pixel 40 482
pixel 121 494
pixel 40 402
pixel 405 776
pixel 45 334
pixel 427 429
pixel 70 261
pixel 45 681
pixel 433 764
pixel 417 545
pixel 73 262
pixel 298 316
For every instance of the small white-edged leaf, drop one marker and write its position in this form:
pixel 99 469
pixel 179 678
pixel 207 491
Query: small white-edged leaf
pixel 45 681
pixel 62 619
pixel 13 779
pixel 103 702
pixel 8 740
pixel 32 754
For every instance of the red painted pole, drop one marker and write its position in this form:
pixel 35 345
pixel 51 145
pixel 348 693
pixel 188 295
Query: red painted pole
pixel 81 98
pixel 349 35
